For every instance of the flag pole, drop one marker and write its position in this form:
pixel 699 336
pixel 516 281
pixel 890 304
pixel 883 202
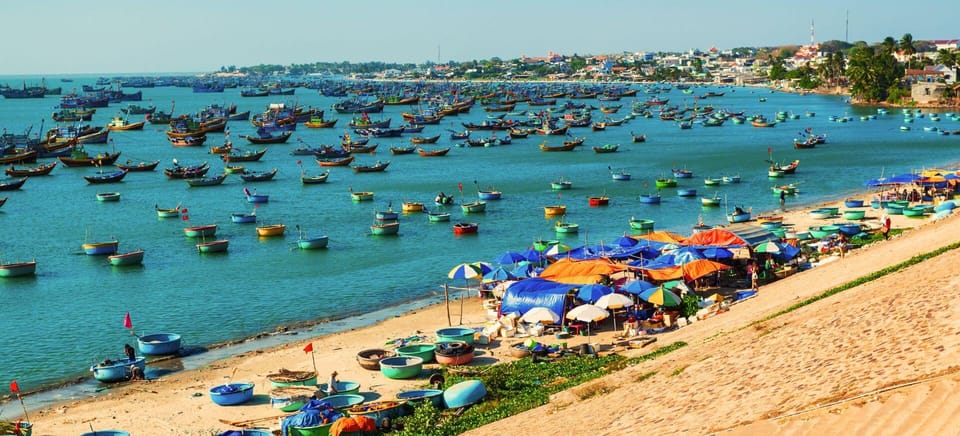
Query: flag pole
pixel 16 389
pixel 314 358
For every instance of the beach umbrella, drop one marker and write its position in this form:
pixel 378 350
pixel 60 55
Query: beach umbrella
pixel 498 274
pixel 464 271
pixel 540 314
pixel 661 297
pixel 614 301
pixel 590 293
pixel 587 313
pixel 482 267
pixel 556 250
pixel 509 257
pixel 717 253
pixel 769 247
pixel 637 286
pixel 532 255
pixel 523 269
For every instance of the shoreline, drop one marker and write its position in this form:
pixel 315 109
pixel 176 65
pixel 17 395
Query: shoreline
pixel 339 344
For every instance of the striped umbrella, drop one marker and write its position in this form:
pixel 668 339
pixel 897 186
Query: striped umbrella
pixel 661 297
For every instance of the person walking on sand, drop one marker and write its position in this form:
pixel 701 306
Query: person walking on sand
pixel 885 229
pixel 752 272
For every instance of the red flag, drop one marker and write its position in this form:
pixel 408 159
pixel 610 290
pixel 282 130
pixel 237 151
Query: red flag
pixel 185 217
pixel 14 387
pixel 299 162
pixel 769 150
pixel 460 186
pixel 127 323
pixel 308 348
pixel 184 210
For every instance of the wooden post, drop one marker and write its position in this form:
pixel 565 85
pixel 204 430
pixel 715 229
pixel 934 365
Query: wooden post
pixel 462 297
pixel 446 300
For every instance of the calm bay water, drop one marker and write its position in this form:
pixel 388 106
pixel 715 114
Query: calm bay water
pixel 70 315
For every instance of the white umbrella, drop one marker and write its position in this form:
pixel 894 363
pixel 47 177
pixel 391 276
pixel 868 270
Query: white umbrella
pixel 587 313
pixel 614 301
pixel 540 314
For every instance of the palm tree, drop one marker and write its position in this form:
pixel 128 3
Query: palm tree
pixel 889 45
pixel 947 57
pixel 906 45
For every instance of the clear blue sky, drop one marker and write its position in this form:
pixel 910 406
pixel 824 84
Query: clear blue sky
pixel 96 36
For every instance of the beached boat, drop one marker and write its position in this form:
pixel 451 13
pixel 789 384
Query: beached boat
pixel 454 353
pixel 464 394
pixel 159 344
pixel 129 258
pixel 433 153
pixel 18 269
pixel 100 248
pixel 271 230
pixel 119 370
pixel 112 177
pixel 401 367
pixel 217 246
pixel 474 207
pixel 200 231
pixel 465 228
pixel 739 215
pixel 231 394
pixel 40 170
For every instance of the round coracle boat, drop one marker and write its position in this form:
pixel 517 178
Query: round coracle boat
pixel 286 377
pixel 370 358
pixel 454 353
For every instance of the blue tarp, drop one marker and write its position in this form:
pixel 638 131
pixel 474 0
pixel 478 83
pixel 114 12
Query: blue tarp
pixel 311 414
pixel 534 292
pixel 612 252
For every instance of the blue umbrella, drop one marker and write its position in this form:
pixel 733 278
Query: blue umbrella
pixel 717 253
pixel 523 269
pixel 482 267
pixel 591 293
pixel 532 255
pixel 499 274
pixel 509 258
pixel 637 287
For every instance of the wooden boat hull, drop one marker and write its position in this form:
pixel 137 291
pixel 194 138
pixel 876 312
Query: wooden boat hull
pixel 140 166
pixel 474 207
pixel 385 229
pixel 361 196
pixel 433 153
pixel 106 178
pixel 19 269
pixel 218 246
pixel 549 211
pixel 126 259
pixel 313 243
pixel 200 231
pixel 271 230
pixel 465 229
pixel 41 170
pixel 108 196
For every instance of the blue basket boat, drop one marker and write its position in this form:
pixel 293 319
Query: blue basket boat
pixel 464 394
pixel 114 371
pixel 401 367
pixel 455 334
pixel 417 396
pixel 343 387
pixel 344 401
pixel 231 394
pixel 159 344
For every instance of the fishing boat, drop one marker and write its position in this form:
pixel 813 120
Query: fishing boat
pixel 566 227
pixel 555 210
pixel 315 179
pixel 234 169
pixel 686 192
pixel 320 123
pixel 403 150
pixel 425 139
pixel 200 231
pixel 207 181
pixel 188 141
pixel 112 177
pixel 412 206
pixel 25 157
pixel 620 175
pixel 790 168
pixel 40 170
pixel 168 213
pixel 433 153
pixel 14 185
pixel 730 179
pixel 245 156
pixel 464 394
pixel 108 196
pixel 790 189
pixel 216 246
pixel 561 184
pixel 712 181
pixel 474 207
pixel 253 197
pixel 138 166
pixel 231 394
pixel 465 228
pixel 375 167
pixel 601 200
pixel 682 173
pixel 18 269
pixel 386 215
pixel 454 352
pixel 186 172
pixel 258 176
pixel 489 194
pixel 121 123
pixel 739 215
pixel 359 148
pixel 311 242
pixel 124 259
pixel 80 158
pixel 335 161
pixel 606 148
pixel 436 217
pixel 119 370
pixel 266 137
pixel 3 201
pixel 664 182
pixel 271 230
pixel 650 198
pixel 159 344
pixel 641 138
pixel 642 224
pixel 544 147
pixel 244 218
pixel 100 248
pixel 385 228
pixel 361 195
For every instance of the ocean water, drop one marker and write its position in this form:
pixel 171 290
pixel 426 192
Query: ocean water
pixel 70 314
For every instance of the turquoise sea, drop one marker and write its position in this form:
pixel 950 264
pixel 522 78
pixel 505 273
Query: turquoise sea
pixel 70 314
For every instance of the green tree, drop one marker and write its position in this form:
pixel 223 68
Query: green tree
pixel 889 45
pixel 906 45
pixel 872 73
pixel 777 70
pixel 947 57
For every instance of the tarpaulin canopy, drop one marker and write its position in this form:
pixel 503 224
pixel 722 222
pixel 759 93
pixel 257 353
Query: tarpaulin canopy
pixel 688 271
pixel 715 238
pixel 581 272
pixel 663 236
pixel 611 252
pixel 535 292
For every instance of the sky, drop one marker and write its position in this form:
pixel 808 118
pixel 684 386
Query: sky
pixel 134 36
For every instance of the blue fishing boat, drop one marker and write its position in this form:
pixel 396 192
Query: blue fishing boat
pixel 231 394
pixel 464 394
pixel 100 248
pixel 401 367
pixel 120 370
pixel 159 344
pixel 739 215
pixel 311 242
pixel 418 396
pixel 650 198
pixel 244 218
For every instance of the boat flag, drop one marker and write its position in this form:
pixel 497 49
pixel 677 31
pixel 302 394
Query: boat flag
pixel 308 348
pixel 127 323
pixel 184 210
pixel 14 387
pixel 185 217
pixel 246 192
pixel 299 162
pixel 460 186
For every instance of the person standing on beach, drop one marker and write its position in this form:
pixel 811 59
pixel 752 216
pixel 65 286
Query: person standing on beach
pixel 783 199
pixel 332 385
pixel 885 230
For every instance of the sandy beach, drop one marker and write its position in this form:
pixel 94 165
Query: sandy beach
pixel 734 375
